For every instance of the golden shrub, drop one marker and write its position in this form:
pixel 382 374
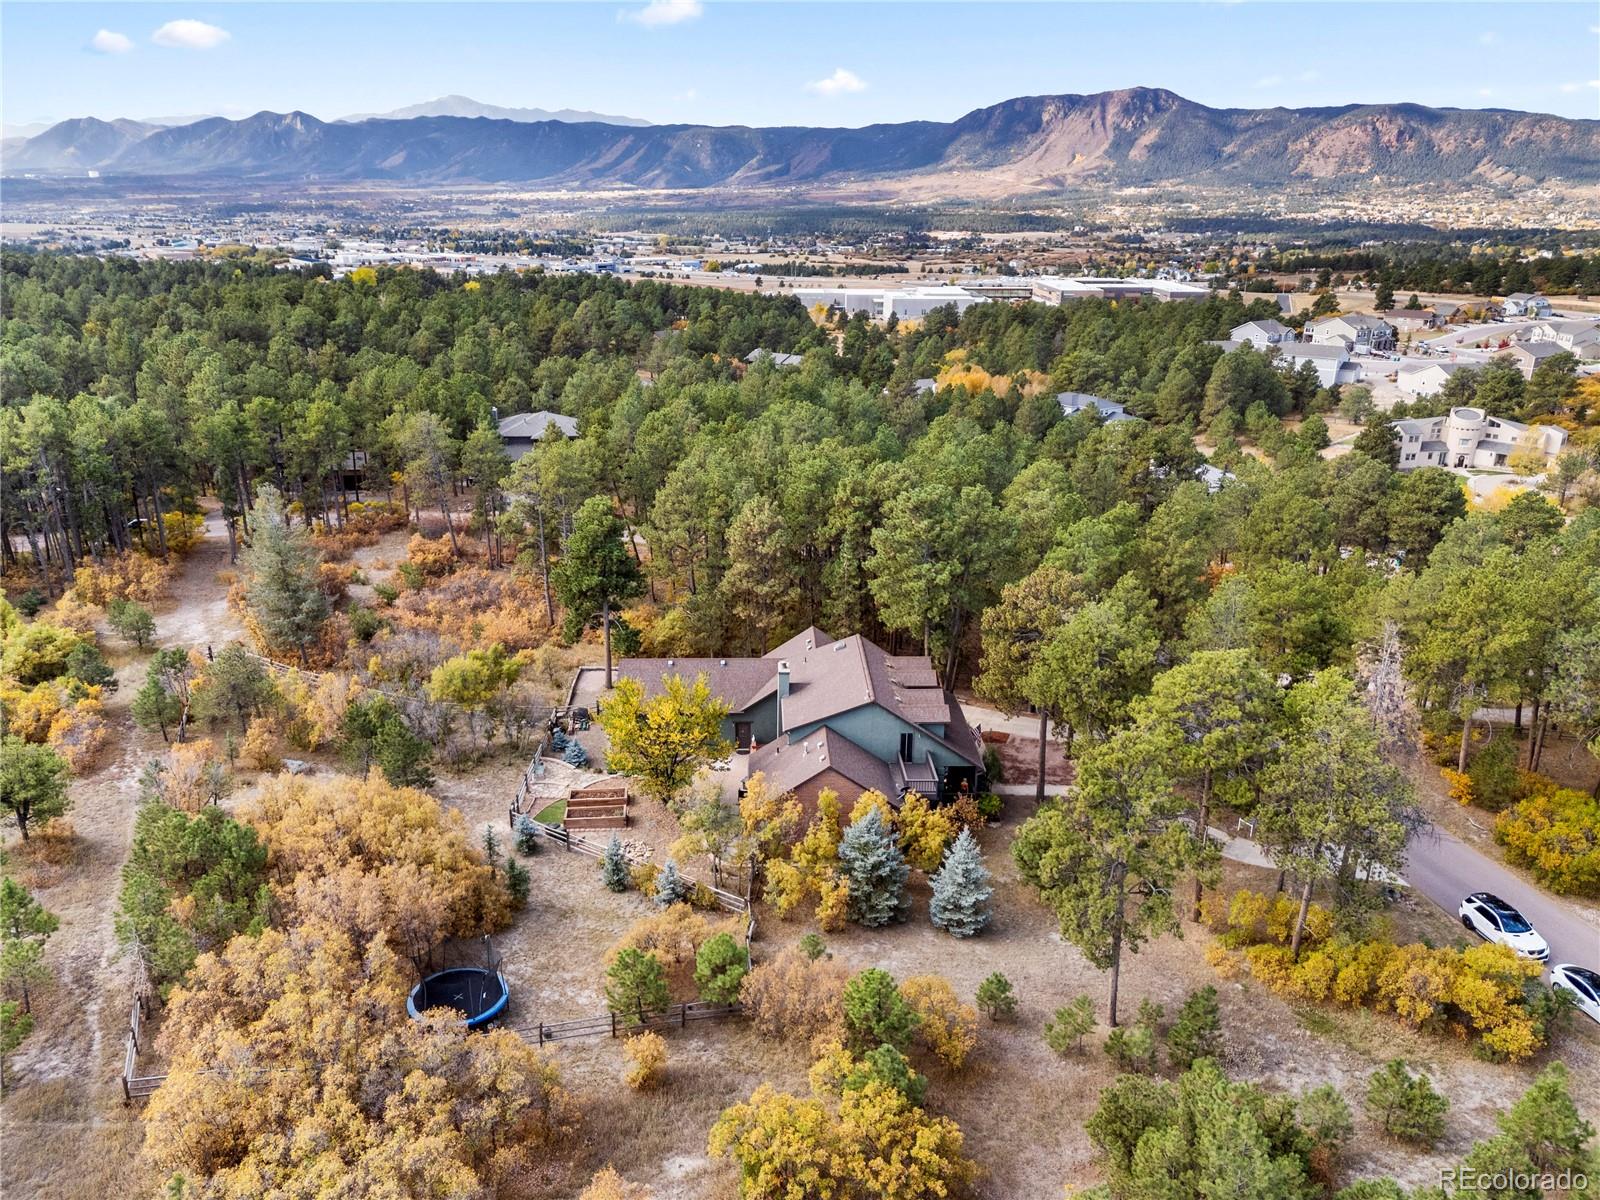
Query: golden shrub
pixel 80 733
pixel 1460 784
pixel 431 556
pixel 183 530
pixel 263 745
pixel 130 576
pixel 948 1028
pixel 646 1054
pixel 792 997
pixel 608 1184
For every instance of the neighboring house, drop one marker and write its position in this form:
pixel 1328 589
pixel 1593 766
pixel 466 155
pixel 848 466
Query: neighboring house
pixel 1410 320
pixel 1528 355
pixel 924 387
pixel 1526 304
pixel 1262 334
pixel 1426 379
pixel 778 359
pixel 882 303
pixel 817 713
pixel 1333 363
pixel 1470 438
pixel 1580 336
pixel 520 431
pixel 1446 310
pixel 1214 477
pixel 1353 331
pixel 1073 403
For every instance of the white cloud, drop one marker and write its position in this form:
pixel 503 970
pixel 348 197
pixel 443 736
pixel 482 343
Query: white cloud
pixel 687 94
pixel 663 12
pixel 108 42
pixel 187 34
pixel 1485 92
pixel 837 84
pixel 1488 38
pixel 1309 76
pixel 1269 81
pixel 1571 88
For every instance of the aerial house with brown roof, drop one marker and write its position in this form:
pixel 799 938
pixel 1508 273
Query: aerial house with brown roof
pixel 843 714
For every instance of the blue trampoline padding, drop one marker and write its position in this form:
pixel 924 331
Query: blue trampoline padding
pixel 463 989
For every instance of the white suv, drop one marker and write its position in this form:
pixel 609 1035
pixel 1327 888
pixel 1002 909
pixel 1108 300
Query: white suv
pixel 1584 985
pixel 1492 919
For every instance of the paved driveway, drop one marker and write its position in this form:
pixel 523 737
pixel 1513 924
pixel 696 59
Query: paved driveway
pixel 1445 869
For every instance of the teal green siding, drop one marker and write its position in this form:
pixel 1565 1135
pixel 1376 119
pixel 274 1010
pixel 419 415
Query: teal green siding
pixel 877 730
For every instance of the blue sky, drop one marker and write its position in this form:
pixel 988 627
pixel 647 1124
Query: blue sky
pixel 786 63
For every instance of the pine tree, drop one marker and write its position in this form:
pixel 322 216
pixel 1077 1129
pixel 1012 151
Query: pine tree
pixel 1546 1123
pixel 961 891
pixel 527 835
pixel 870 855
pixel 670 887
pixel 614 866
pixel 283 593
pixel 25 926
pixel 1197 1033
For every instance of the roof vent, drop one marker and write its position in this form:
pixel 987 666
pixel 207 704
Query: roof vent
pixel 722 662
pixel 670 662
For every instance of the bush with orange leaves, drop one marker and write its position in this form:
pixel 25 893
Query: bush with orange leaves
pixel 475 608
pixel 426 1106
pixel 193 776
pixel 432 557
pixel 792 997
pixel 374 859
pixel 130 576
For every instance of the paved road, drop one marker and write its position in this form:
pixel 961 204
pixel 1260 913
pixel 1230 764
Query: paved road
pixel 1445 869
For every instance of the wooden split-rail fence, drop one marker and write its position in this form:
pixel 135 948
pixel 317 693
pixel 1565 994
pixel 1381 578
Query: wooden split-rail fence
pixel 134 1085
pixel 620 1025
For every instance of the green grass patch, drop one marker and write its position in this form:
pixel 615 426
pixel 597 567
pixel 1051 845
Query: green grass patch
pixel 553 813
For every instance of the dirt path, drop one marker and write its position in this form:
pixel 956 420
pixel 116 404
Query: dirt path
pixel 65 1130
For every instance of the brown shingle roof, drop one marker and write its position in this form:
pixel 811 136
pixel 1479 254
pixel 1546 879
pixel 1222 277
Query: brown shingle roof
pixel 788 764
pixel 740 682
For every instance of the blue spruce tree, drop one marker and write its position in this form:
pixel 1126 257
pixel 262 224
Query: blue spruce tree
pixel 670 887
pixel 614 866
pixel 961 891
pixel 870 854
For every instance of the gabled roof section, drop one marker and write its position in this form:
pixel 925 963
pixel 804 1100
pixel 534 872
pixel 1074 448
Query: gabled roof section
pixel 787 764
pixel 809 638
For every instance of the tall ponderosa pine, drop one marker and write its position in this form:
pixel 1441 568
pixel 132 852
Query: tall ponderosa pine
pixel 869 854
pixel 961 891
pixel 282 589
pixel 596 573
pixel 1106 859
pixel 1218 710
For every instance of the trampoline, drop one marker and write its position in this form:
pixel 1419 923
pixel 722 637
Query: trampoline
pixel 480 995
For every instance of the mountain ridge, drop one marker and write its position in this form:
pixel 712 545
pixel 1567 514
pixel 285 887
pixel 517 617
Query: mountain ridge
pixel 455 105
pixel 1129 136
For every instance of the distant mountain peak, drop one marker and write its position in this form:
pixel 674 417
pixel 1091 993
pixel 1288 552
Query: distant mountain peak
pixel 1143 136
pixel 465 106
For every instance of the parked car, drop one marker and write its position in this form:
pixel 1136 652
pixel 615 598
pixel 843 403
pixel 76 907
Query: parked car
pixel 1492 919
pixel 1584 985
